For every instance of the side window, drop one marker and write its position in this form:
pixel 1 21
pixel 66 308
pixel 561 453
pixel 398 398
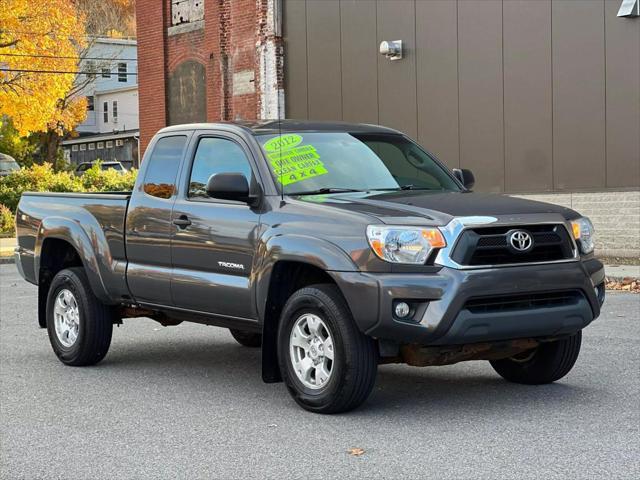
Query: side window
pixel 216 155
pixel 160 178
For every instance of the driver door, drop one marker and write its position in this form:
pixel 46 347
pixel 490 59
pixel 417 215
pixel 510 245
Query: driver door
pixel 214 240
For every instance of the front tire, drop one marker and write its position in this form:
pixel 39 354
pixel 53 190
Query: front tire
pixel 545 364
pixel 79 325
pixel 327 364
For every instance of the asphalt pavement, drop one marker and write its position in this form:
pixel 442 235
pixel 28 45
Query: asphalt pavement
pixel 188 402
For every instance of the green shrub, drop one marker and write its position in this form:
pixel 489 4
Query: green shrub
pixel 97 180
pixel 42 178
pixel 7 221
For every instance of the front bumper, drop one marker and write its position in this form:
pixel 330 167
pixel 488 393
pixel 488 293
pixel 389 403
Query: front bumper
pixel 443 317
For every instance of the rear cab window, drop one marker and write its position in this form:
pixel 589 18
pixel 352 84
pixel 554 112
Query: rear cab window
pixel 163 165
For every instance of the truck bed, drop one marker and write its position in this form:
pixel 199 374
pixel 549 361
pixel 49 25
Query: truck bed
pixel 96 220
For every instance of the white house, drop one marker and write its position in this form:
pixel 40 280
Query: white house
pixel 111 68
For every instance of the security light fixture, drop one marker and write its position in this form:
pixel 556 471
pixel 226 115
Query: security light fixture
pixel 392 49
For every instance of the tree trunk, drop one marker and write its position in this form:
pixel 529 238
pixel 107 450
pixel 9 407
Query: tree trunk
pixel 50 146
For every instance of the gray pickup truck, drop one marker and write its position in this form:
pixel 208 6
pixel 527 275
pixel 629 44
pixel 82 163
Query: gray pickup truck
pixel 335 247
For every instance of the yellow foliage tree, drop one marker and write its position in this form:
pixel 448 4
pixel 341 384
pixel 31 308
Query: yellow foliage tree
pixel 35 37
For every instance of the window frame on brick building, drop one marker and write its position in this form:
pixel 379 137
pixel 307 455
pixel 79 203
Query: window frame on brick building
pixel 186 11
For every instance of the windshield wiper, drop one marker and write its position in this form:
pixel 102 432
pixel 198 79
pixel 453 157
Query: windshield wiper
pixel 321 191
pixel 401 187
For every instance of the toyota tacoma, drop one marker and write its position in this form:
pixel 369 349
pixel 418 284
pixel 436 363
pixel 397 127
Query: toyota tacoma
pixel 334 247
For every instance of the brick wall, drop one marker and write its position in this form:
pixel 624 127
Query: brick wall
pixel 615 216
pixel 151 33
pixel 229 43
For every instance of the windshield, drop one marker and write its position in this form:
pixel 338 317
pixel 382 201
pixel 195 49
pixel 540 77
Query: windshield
pixel 114 166
pixel 312 162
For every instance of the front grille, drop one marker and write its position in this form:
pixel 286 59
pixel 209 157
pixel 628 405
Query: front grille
pixel 490 246
pixel 530 301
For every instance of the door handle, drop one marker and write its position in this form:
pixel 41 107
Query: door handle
pixel 182 221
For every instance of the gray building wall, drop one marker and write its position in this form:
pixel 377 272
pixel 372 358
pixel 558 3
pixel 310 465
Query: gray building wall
pixel 126 154
pixel 533 95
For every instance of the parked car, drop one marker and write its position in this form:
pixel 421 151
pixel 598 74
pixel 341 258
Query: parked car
pixel 114 165
pixel 335 247
pixel 7 165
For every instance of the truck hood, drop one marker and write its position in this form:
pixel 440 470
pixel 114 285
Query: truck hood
pixel 437 208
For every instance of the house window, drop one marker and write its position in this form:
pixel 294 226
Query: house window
pixel 185 11
pixel 83 147
pixel 92 146
pixel 90 104
pixel 119 143
pixel 90 69
pixel 114 112
pixel 105 112
pixel 100 145
pixel 74 148
pixel 109 144
pixel 106 73
pixel 122 72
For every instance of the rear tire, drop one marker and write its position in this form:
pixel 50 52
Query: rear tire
pixel 79 325
pixel 246 339
pixel 547 363
pixel 327 364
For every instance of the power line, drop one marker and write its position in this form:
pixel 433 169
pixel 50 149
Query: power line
pixel 66 57
pixel 53 34
pixel 24 70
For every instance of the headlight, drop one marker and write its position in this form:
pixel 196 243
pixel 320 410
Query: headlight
pixel 404 244
pixel 584 234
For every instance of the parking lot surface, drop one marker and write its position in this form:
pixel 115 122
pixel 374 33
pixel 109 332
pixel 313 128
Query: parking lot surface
pixel 188 402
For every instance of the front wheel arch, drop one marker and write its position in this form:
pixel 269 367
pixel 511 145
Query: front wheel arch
pixel 286 278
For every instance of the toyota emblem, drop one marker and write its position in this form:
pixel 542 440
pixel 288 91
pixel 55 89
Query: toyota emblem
pixel 520 240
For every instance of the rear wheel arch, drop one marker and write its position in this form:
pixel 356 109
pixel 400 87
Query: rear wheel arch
pixel 55 255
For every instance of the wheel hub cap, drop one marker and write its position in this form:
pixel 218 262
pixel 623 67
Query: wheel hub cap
pixel 311 351
pixel 66 317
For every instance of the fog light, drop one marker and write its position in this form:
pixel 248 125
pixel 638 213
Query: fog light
pixel 402 309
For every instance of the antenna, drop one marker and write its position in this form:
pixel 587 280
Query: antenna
pixel 280 149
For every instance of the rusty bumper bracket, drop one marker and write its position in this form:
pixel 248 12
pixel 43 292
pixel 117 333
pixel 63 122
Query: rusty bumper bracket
pixel 421 356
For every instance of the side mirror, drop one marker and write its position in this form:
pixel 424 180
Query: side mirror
pixel 228 186
pixel 465 176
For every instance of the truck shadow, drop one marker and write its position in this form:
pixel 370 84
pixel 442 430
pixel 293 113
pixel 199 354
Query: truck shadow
pixel 219 365
pixel 471 387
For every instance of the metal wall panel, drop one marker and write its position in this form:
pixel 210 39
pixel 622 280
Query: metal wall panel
pixel 397 79
pixel 480 83
pixel 578 94
pixel 534 95
pixel 359 57
pixel 295 51
pixel 323 60
pixel 528 105
pixel 622 97
pixel 437 82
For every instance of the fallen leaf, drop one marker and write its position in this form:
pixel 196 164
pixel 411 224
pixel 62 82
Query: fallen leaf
pixel 627 284
pixel 355 452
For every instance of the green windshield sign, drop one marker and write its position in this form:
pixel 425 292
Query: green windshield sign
pixel 283 142
pixel 292 162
